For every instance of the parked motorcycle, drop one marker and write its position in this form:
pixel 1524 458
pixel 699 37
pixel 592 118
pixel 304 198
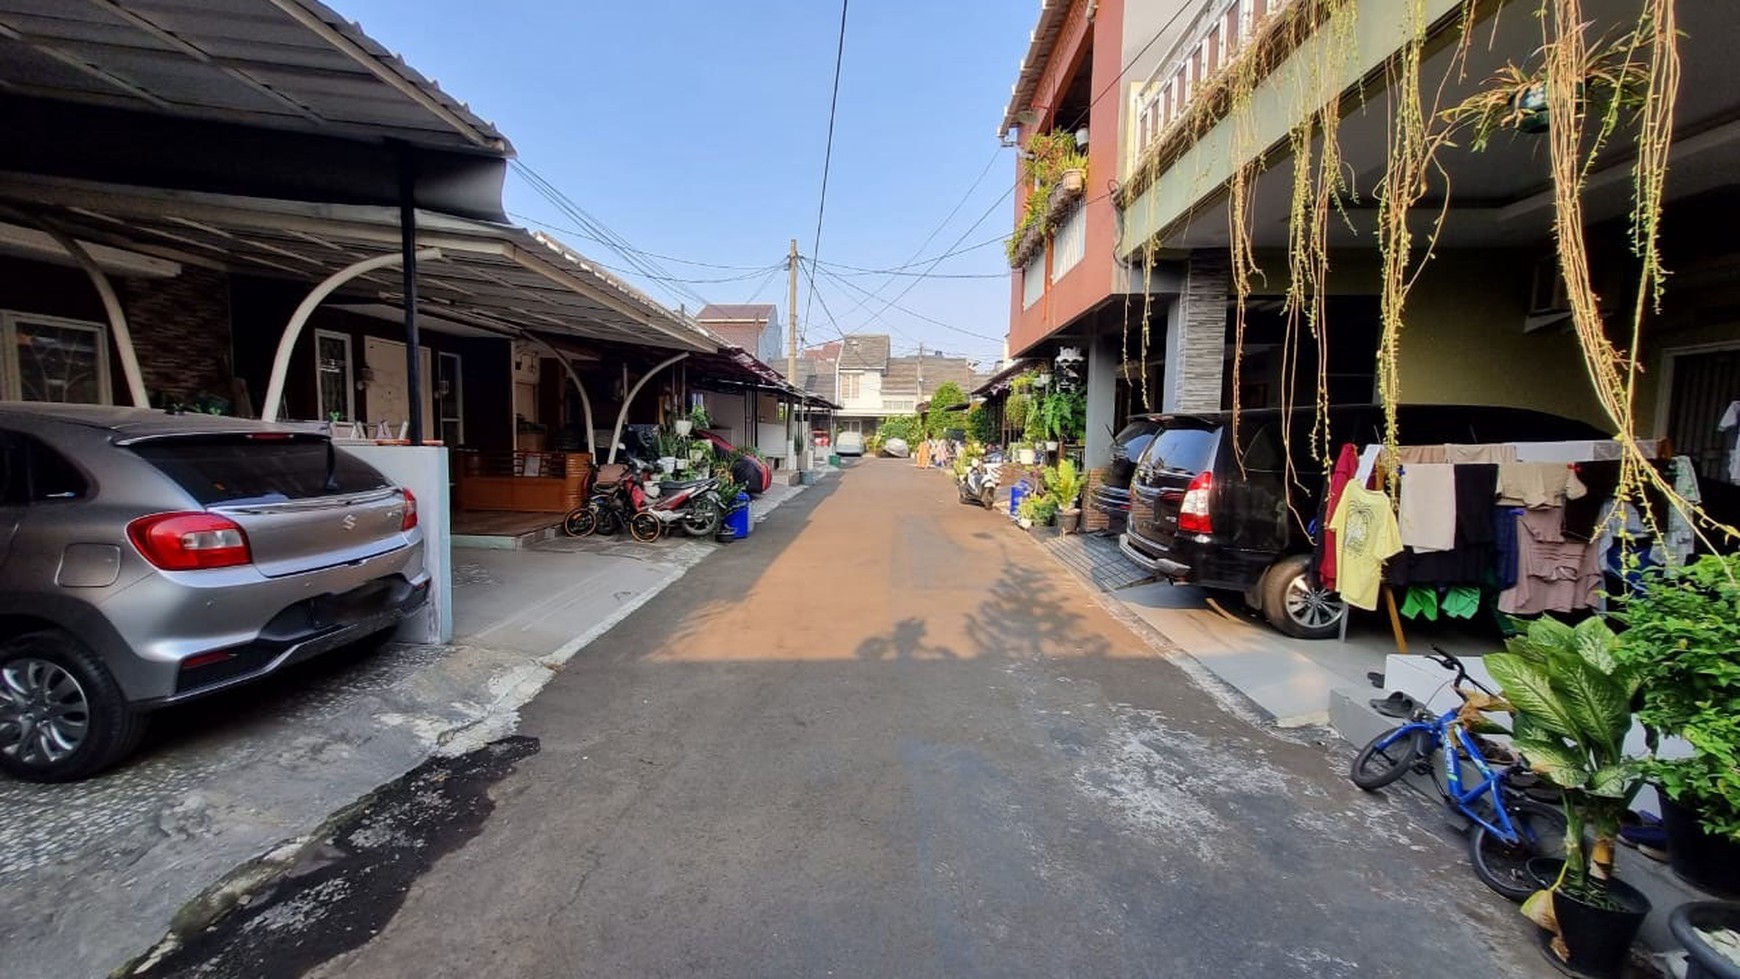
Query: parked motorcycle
pixel 627 496
pixel 979 483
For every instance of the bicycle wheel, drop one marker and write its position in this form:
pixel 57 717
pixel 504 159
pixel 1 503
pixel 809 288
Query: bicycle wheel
pixel 1504 866
pixel 645 527
pixel 580 522
pixel 1388 757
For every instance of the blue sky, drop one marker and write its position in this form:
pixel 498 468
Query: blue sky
pixel 695 129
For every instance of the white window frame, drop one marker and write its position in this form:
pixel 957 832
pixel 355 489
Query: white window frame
pixel 856 380
pixel 1069 246
pixel 11 376
pixel 1033 279
pixel 349 373
pixel 458 395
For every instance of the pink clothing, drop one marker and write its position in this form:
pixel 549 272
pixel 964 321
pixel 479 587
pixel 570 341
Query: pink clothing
pixel 1346 465
pixel 1553 574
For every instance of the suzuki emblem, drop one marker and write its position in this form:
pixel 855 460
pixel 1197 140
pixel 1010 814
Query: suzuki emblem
pixel 349 521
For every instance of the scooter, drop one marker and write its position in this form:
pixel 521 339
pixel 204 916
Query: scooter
pixel 624 495
pixel 979 483
pixel 692 504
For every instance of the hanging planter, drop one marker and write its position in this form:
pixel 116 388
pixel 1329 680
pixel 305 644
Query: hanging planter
pixel 683 427
pixel 1072 181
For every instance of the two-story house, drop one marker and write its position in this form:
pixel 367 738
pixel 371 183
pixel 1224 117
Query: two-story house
pixel 753 327
pixel 1136 267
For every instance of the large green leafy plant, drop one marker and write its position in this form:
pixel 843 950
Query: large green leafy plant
pixel 1572 697
pixel 1682 639
pixel 1063 483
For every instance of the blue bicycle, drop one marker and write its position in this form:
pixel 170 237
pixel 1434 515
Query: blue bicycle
pixel 1507 828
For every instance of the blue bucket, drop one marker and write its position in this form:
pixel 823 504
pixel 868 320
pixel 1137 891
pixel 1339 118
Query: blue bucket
pixel 1016 492
pixel 738 519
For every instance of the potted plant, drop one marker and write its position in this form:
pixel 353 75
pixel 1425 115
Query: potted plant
pixel 1682 630
pixel 1572 698
pixel 1063 482
pixel 735 497
pixel 1044 507
pixel 699 419
pixel 1710 932
pixel 1024 452
pixel 668 445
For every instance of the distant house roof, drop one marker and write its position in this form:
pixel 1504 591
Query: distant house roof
pixel 903 376
pixel 865 352
pixel 816 376
pixel 737 312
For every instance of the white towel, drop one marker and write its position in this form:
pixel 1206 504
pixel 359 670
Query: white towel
pixel 1428 511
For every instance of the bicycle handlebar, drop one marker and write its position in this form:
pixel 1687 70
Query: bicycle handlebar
pixel 1449 662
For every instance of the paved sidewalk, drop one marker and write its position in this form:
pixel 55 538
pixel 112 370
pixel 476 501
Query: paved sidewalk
pixel 91 873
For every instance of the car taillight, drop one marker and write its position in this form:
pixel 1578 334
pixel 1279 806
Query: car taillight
pixel 410 520
pixel 1193 512
pixel 190 541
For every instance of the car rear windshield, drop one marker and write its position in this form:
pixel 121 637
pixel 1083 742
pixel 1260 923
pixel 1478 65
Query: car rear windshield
pixel 1188 450
pixel 236 470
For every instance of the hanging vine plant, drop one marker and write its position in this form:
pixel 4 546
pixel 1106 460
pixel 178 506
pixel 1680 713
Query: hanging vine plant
pixel 1055 170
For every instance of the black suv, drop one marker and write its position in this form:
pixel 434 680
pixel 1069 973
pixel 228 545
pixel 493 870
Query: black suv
pixel 1112 495
pixel 1198 517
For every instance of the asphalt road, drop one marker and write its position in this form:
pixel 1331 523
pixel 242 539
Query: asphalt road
pixel 887 736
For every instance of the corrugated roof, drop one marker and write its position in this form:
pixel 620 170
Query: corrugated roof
pixel 903 376
pixel 288 64
pixel 816 376
pixel 864 352
pixel 1044 37
pixel 737 312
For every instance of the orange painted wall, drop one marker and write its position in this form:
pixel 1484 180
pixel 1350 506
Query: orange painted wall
pixel 1090 282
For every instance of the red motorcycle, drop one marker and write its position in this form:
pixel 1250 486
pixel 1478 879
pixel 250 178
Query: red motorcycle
pixel 649 508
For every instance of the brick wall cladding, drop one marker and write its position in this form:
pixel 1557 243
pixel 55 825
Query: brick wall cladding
pixel 181 331
pixel 1092 517
pixel 1201 346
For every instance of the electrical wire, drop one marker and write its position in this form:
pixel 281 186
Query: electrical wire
pixel 828 162
pixel 923 261
pixel 641 251
pixel 891 304
pixel 887 303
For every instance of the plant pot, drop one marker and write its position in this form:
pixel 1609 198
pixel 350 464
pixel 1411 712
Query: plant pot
pixel 1051 446
pixel 1599 939
pixel 683 427
pixel 1068 521
pixel 1704 860
pixel 1026 457
pixel 1704 961
pixel 1024 523
pixel 668 464
pixel 1071 181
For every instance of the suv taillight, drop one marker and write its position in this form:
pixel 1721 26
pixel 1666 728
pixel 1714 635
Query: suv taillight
pixel 410 520
pixel 190 541
pixel 1193 512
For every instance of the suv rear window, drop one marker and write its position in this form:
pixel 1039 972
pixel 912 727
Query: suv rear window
pixel 1188 450
pixel 251 469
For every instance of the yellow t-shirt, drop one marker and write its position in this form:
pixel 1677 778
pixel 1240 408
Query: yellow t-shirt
pixel 1365 536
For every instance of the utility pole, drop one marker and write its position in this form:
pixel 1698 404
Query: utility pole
pixel 791 350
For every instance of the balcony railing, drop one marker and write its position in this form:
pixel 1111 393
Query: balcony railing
pixel 1224 30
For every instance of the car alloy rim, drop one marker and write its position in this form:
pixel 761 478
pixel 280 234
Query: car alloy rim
pixel 1311 607
pixel 44 714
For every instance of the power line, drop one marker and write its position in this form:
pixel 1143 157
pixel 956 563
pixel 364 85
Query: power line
pixel 641 251
pixel 891 304
pixel 601 233
pixel 887 303
pixel 828 162
pixel 987 242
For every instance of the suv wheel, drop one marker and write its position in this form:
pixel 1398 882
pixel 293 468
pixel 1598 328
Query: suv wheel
pixel 62 716
pixel 1297 603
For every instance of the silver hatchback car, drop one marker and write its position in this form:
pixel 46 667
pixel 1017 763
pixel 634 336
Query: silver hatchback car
pixel 148 558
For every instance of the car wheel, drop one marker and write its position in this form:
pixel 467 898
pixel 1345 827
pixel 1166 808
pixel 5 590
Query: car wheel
pixel 1296 603
pixel 62 715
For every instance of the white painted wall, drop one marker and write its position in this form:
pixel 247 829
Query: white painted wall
pixel 423 470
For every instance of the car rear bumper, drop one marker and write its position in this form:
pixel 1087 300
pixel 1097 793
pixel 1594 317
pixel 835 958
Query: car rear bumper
pixel 1199 560
pixel 190 634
